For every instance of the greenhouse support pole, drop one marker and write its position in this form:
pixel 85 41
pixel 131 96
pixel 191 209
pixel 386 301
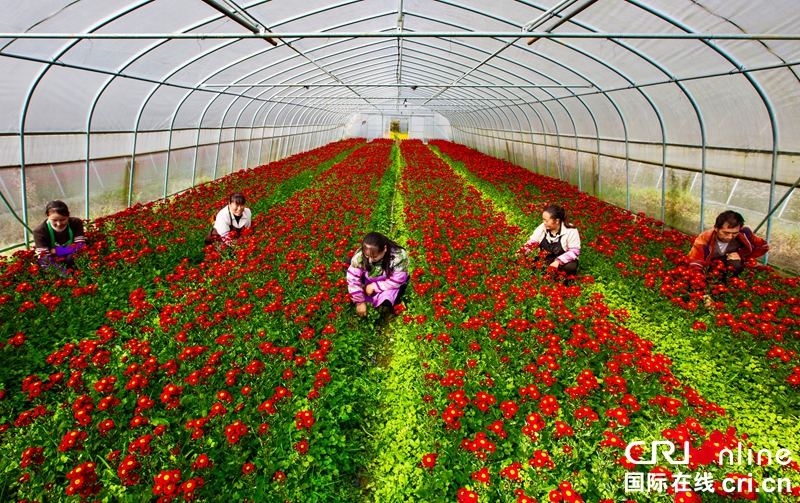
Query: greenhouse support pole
pixel 514 142
pixel 577 156
pixel 261 158
pixel 58 181
pixel 735 184
pixel 235 129
pixel 308 138
pixel 496 137
pixel 533 140
pixel 283 142
pixel 252 127
pixel 305 135
pixel 311 134
pixel 86 184
pixel 14 213
pixel 216 157
pixel 271 142
pixel 250 139
pixel 462 125
pixel 785 204
pixel 476 139
pixel 296 135
pixel 479 142
pixel 522 136
pixel 283 139
pixel 510 155
pixel 169 154
pixel 575 130
pixel 785 197
pixel 272 132
pixel 507 154
pixel 197 142
pixel 266 160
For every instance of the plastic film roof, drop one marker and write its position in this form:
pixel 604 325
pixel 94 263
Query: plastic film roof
pixel 636 75
pixel 52 85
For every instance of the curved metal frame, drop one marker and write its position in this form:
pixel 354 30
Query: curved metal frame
pixel 764 99
pixel 314 111
pixel 29 97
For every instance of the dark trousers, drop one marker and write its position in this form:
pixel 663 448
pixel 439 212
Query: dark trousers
pixel 570 268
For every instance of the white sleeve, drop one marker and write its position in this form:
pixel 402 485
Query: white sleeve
pixel 222 222
pixel 573 239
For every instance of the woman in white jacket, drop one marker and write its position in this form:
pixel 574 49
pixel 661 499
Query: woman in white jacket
pixel 231 220
pixel 559 238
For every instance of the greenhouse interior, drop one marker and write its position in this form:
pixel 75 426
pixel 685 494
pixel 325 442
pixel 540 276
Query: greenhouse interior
pixel 399 251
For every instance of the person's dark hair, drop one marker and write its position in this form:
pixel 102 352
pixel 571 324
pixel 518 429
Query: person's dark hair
pixel 56 206
pixel 557 212
pixel 238 198
pixel 730 217
pixel 379 241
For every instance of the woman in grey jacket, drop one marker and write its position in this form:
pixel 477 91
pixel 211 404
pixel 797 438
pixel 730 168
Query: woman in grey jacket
pixel 559 238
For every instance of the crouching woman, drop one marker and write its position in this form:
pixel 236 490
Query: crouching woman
pixel 59 236
pixel 377 274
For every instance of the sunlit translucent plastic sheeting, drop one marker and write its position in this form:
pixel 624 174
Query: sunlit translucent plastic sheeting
pixel 152 86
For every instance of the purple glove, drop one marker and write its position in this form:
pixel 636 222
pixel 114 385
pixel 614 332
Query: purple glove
pixel 66 251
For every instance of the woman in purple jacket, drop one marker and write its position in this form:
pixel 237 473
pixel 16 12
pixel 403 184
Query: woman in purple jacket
pixel 377 273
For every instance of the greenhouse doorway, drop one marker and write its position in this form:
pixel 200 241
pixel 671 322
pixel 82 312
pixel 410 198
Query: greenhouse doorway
pixel 398 128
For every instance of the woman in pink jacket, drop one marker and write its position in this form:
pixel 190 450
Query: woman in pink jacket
pixel 377 273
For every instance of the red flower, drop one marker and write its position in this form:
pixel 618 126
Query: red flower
pixel 467 496
pixel 429 460
pixel 481 475
pixel 82 480
pixel 201 462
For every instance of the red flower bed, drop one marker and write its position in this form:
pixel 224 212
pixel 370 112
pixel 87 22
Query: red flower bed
pixel 528 384
pixel 760 308
pixel 230 362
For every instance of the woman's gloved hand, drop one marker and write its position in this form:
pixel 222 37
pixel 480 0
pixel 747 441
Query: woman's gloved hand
pixel 66 251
